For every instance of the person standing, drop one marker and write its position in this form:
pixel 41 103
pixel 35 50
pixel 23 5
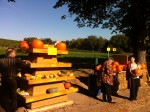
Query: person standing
pixel 8 69
pixel 107 78
pixel 133 79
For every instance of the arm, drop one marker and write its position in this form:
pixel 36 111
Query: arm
pixel 22 63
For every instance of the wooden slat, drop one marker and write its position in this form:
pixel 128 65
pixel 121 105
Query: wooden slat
pixel 45 50
pixel 39 81
pixel 52 106
pixel 29 99
pixel 41 89
pixel 46 72
pixel 47 102
pixel 45 65
pixel 62 52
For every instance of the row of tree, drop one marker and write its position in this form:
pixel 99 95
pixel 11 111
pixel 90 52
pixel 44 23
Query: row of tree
pixel 91 43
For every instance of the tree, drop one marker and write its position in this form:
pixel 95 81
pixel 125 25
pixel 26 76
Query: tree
pixel 120 42
pixel 47 40
pixel 130 17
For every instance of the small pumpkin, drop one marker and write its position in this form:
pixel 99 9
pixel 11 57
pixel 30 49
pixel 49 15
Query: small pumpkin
pixel 27 75
pixel 124 67
pixel 67 85
pixel 24 45
pixel 97 67
pixel 61 46
pixel 37 43
pixel 114 69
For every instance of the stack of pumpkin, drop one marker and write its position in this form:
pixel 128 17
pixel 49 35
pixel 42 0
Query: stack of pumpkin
pixel 37 43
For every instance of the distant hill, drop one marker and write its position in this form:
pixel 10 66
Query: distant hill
pixel 9 43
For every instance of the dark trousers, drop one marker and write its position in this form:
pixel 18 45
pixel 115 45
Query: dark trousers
pixel 9 95
pixel 135 83
pixel 106 90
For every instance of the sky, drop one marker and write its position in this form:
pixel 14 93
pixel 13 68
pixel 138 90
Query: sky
pixel 38 18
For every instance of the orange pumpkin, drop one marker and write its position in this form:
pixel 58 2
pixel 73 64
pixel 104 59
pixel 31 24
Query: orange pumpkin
pixel 67 85
pixel 97 67
pixel 115 63
pixel 119 68
pixel 124 67
pixel 114 69
pixel 137 71
pixel 143 66
pixel 24 45
pixel 36 43
pixel 61 46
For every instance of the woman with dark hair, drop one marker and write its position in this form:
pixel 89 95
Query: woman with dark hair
pixel 133 78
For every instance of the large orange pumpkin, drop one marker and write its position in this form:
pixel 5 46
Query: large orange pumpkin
pixel 67 85
pixel 119 68
pixel 143 66
pixel 137 71
pixel 24 45
pixel 36 43
pixel 61 46
pixel 115 63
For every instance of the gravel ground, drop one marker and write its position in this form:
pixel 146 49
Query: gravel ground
pixel 84 103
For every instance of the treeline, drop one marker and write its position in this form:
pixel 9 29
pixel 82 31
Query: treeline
pixel 91 43
pixel 94 43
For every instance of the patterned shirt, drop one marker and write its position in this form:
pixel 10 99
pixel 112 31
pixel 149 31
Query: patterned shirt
pixel 107 74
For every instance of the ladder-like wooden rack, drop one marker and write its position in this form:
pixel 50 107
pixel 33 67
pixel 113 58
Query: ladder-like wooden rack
pixel 44 63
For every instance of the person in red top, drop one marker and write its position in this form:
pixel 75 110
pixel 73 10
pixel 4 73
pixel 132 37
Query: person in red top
pixel 107 79
pixel 8 70
pixel 133 79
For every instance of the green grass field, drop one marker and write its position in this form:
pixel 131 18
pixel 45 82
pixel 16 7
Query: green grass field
pixel 79 59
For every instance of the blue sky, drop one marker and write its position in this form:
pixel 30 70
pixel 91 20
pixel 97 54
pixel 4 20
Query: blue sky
pixel 37 18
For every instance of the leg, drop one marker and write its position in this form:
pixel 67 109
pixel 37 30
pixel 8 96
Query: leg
pixel 137 83
pixel 132 89
pixel 4 96
pixel 103 91
pixel 13 94
pixel 108 92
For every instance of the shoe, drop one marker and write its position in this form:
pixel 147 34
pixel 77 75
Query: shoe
pixel 104 100
pixel 112 102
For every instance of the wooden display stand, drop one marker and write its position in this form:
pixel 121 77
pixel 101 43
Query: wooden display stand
pixel 45 75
